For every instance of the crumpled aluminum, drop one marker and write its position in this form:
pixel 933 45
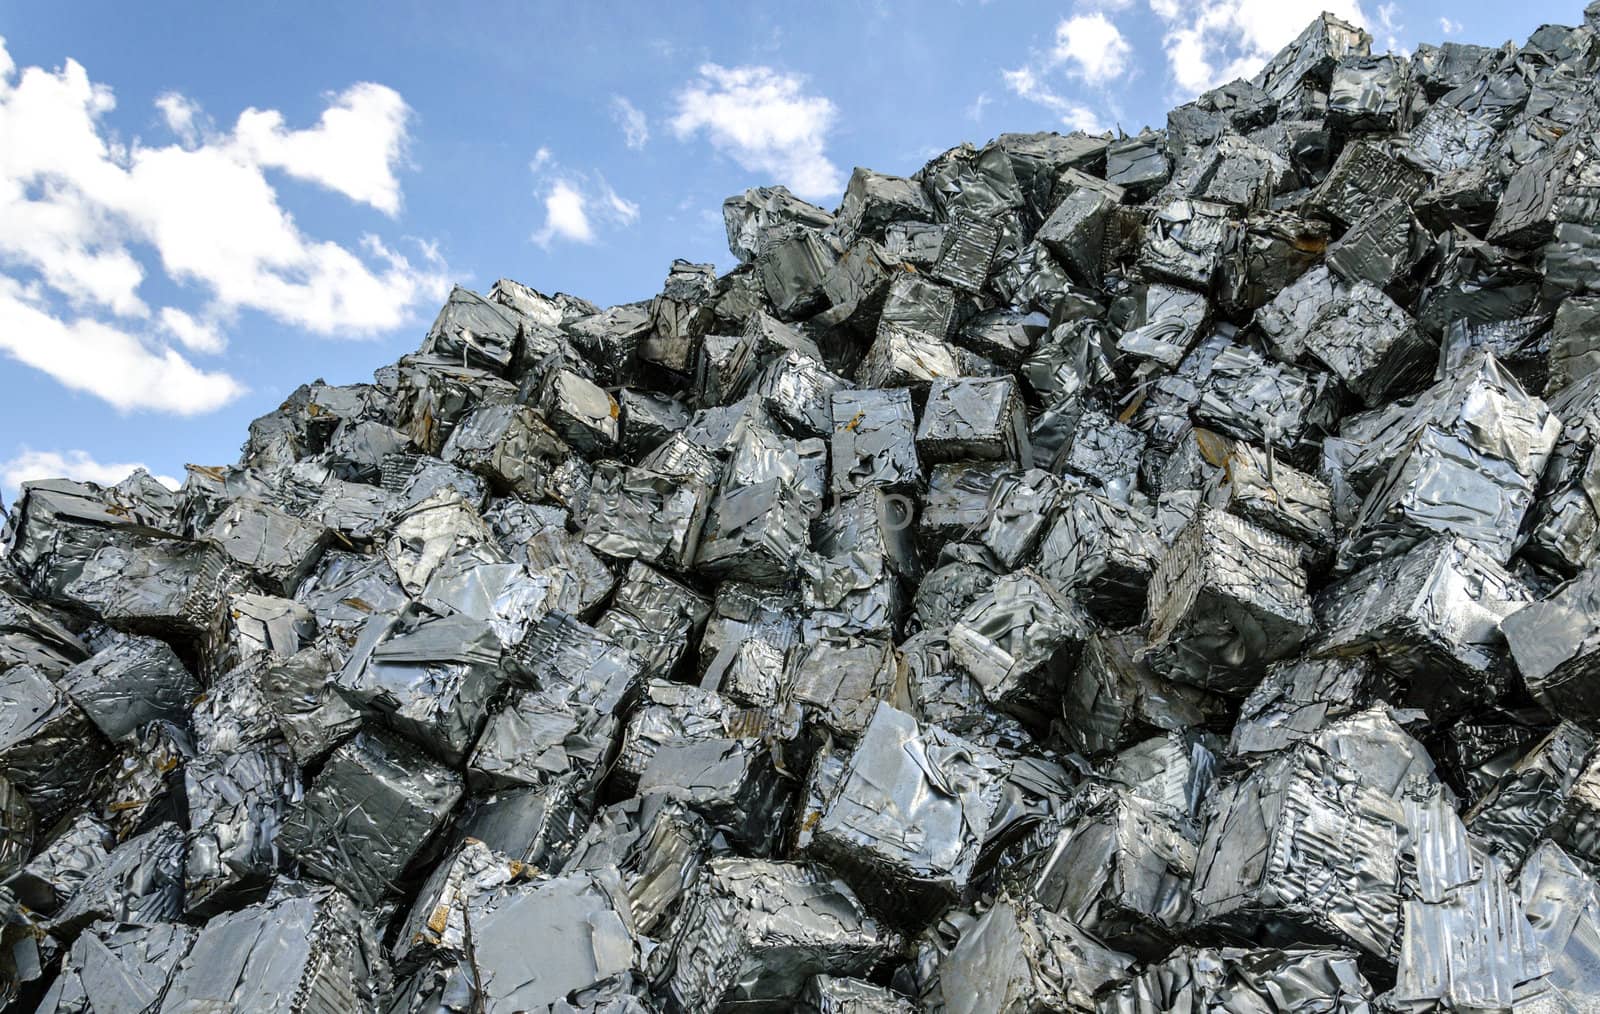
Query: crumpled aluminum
pixel 131 682
pixel 1227 599
pixel 754 931
pixel 306 944
pixel 1018 955
pixel 237 803
pixel 1432 616
pixel 49 748
pixel 1302 845
pixel 901 773
pixel 370 810
pixel 428 678
pixel 874 440
pixel 1018 641
pixel 973 418
pixel 1234 980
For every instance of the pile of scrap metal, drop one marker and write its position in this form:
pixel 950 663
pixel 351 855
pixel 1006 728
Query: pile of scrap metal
pixel 1096 574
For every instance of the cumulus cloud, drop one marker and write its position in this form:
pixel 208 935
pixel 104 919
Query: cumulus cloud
pixel 30 465
pixel 352 150
pixel 1092 47
pixel 635 129
pixel 575 202
pixel 765 121
pixel 1087 49
pixel 1449 27
pixel 1026 83
pixel 79 206
pixel 1214 41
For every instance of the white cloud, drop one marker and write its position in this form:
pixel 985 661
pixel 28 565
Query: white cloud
pixel 193 334
pixel 1025 83
pixel 1449 27
pixel 635 129
pixel 353 149
pixel 979 104
pixel 30 465
pixel 573 203
pixel 77 205
pixel 1093 46
pixel 1215 41
pixel 184 117
pixel 564 215
pixel 764 120
pixel 1086 48
pixel 125 369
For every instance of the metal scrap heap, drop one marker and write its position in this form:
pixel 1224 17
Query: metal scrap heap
pixel 1090 574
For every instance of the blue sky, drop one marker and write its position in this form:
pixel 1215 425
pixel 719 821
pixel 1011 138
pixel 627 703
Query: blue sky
pixel 202 206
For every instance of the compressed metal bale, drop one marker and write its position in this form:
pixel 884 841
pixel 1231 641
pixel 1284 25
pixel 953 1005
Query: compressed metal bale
pixel 1560 902
pixel 1528 798
pixel 374 805
pixel 580 412
pixel 561 650
pixel 873 200
pixel 1020 957
pixel 956 505
pixel 140 882
pixel 657 845
pixel 62 859
pixel 130 682
pixel 299 952
pixel 1236 980
pixel 1018 641
pixel 1466 941
pixel 757 525
pixel 653 513
pixel 439 921
pixel 1186 241
pixel 236 804
pixel 753 932
pixel 430 679
pixel 1120 869
pixel 1296 698
pixel 1431 617
pixel 941 693
pixel 510 446
pixel 469 328
pixel 654 617
pixel 733 783
pixel 540 540
pixel 1019 510
pixel 1227 599
pixel 1363 173
pixel 1277 497
pixel 973 418
pixel 838 680
pixel 885 783
pixel 1114 698
pixel 1169 321
pixel 116 966
pixel 1247 396
pixel 49 747
pixel 1552 642
pixel 539 737
pixel 1301 845
pixel 277 547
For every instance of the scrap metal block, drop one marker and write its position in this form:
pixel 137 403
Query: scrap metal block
pixel 1431 616
pixel 369 812
pixel 901 774
pixel 973 418
pixel 753 932
pixel 1227 599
